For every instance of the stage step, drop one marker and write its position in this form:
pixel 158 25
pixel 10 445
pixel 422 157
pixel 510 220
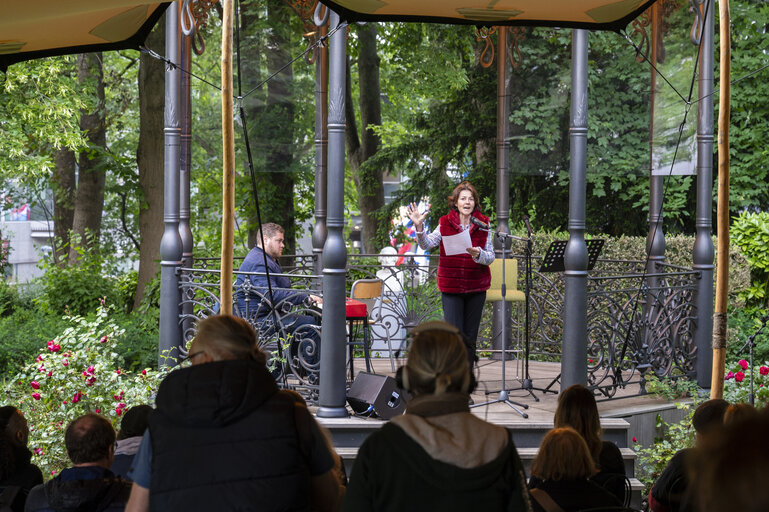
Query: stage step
pixel 348 455
pixel 351 432
pixel 348 434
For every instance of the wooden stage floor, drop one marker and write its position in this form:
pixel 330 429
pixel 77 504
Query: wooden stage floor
pixel 541 405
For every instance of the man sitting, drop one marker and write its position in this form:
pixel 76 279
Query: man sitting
pixel 89 484
pixel 670 491
pixel 251 290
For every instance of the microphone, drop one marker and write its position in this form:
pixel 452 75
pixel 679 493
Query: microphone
pixel 479 223
pixel 528 226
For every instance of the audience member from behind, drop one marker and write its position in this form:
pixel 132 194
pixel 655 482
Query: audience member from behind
pixel 560 475
pixel 730 471
pixel 437 456
pixel 88 484
pixel 135 421
pixel 739 412
pixel 670 491
pixel 224 437
pixel 577 409
pixel 17 474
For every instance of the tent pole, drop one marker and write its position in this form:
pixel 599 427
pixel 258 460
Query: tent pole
pixel 228 161
pixel 722 261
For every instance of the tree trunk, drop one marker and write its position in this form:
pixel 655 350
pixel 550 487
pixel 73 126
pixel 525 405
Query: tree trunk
pixel 368 179
pixel 149 159
pixel 89 200
pixel 63 185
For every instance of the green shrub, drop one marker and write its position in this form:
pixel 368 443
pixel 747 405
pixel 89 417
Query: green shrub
pixel 77 288
pixel 750 232
pixel 22 334
pixel 737 383
pixel 742 325
pixel 81 370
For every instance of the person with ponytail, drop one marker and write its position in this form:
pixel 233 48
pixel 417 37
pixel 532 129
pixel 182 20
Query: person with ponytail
pixel 17 474
pixel 224 437
pixel 438 455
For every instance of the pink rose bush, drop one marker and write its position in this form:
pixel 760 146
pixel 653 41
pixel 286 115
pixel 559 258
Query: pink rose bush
pixel 79 371
pixel 737 382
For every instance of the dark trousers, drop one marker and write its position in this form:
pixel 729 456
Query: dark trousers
pixel 463 311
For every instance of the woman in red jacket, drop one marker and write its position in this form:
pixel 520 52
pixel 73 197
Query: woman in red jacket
pixel 462 278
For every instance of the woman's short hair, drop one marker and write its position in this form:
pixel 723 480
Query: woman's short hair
pixel 437 360
pixel 577 409
pixel 226 337
pixel 563 455
pixel 135 421
pixel 454 196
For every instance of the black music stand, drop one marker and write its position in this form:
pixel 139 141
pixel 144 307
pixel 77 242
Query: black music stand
pixel 553 262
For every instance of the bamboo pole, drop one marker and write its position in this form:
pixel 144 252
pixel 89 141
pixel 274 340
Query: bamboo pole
pixel 228 160
pixel 722 264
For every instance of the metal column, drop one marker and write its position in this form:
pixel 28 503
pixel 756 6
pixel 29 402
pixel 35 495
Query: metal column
pixel 574 359
pixel 319 231
pixel 704 252
pixel 185 112
pixel 503 184
pixel 333 394
pixel 171 242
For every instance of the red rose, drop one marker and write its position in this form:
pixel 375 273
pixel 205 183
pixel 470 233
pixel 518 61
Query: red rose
pixel 739 376
pixel 743 364
pixel 635 440
pixel 764 370
pixel 34 384
pixel 36 396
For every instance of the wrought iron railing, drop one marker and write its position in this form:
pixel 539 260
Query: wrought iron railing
pixel 637 322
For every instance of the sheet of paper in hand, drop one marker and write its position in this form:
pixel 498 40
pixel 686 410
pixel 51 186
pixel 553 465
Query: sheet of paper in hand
pixel 457 244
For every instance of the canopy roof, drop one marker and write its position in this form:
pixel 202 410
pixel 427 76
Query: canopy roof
pixel 30 29
pixel 588 14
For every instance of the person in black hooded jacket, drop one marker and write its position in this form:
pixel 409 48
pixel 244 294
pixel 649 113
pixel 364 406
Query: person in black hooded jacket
pixel 17 474
pixel 223 437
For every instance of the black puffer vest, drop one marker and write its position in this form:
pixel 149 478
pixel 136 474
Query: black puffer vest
pixel 224 438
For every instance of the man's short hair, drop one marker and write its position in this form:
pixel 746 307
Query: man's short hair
pixel 709 415
pixel 89 438
pixel 269 230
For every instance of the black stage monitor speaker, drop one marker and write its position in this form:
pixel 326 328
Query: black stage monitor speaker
pixel 379 392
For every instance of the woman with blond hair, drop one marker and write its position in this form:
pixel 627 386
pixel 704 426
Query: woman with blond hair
pixel 561 475
pixel 437 456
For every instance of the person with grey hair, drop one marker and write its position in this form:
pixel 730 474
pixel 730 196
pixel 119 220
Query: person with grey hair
pixel 224 437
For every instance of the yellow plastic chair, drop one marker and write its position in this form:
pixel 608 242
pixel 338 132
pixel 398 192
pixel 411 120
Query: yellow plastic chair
pixel 513 294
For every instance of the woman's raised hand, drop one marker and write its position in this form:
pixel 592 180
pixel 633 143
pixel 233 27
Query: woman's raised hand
pixel 417 218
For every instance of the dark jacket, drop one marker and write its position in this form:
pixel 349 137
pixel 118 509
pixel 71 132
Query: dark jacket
pixel 23 474
pixel 224 438
pixel 393 472
pixel 281 293
pixel 574 495
pixel 93 489
pixel 669 492
pixel 459 273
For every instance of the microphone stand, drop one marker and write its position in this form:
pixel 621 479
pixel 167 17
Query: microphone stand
pixel 504 396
